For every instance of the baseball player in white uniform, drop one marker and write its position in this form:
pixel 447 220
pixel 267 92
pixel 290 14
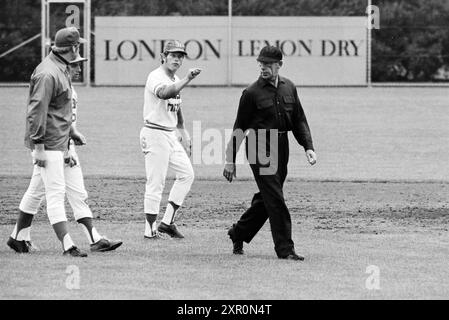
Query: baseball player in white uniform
pixel 160 144
pixel 74 182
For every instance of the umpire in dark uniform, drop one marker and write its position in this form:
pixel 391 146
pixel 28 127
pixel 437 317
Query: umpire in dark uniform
pixel 268 109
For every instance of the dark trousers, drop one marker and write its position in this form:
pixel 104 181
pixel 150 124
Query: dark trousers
pixel 269 203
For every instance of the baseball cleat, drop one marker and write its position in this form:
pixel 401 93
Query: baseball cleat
pixel 104 245
pixel 18 246
pixel 74 252
pixel 237 245
pixel 293 256
pixel 170 230
pixel 156 236
pixel 32 247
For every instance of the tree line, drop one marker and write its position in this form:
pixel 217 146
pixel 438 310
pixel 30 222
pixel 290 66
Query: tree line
pixel 412 43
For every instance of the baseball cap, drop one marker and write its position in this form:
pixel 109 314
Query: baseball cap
pixel 68 37
pixel 175 46
pixel 78 59
pixel 270 54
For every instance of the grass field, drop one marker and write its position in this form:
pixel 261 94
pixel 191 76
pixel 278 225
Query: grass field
pixel 378 196
pixel 359 133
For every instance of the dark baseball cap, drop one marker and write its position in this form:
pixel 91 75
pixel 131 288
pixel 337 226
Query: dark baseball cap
pixel 270 54
pixel 175 46
pixel 68 37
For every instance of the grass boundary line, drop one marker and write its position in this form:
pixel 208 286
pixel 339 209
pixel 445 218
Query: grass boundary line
pixel 246 179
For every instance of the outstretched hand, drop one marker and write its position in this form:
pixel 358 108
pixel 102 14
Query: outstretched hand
pixel 193 72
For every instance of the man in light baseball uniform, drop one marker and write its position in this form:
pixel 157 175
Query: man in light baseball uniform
pixel 162 148
pixel 74 181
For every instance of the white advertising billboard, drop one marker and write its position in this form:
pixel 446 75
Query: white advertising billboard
pixel 317 50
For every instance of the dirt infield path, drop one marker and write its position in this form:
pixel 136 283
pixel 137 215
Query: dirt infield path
pixel 339 206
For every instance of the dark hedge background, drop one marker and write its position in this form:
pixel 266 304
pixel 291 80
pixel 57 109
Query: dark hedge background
pixel 412 43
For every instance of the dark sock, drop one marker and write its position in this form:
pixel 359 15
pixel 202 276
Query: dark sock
pixel 24 220
pixel 60 230
pixel 87 222
pixel 151 218
pixel 63 235
pixel 175 208
pixel 150 224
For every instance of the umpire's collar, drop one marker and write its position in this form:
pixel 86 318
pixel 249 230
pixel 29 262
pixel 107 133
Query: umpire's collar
pixel 261 82
pixel 59 60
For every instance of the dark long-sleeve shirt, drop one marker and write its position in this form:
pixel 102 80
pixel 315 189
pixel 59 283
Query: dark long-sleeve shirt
pixel 49 112
pixel 263 106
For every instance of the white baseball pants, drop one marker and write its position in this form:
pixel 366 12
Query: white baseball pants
pixel 49 178
pixel 163 151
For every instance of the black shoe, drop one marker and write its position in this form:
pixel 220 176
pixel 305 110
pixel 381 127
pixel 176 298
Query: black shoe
pixel 75 252
pixel 105 245
pixel 170 230
pixel 18 246
pixel 237 245
pixel 293 256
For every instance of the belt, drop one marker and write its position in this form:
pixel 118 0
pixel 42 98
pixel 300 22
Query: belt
pixel 153 126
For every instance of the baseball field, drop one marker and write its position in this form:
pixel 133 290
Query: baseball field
pixel 371 217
